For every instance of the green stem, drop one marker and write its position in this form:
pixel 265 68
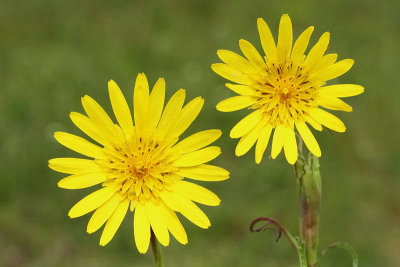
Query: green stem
pixel 309 182
pixel 157 252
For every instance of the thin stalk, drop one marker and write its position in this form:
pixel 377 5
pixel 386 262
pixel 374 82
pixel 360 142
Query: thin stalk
pixel 309 182
pixel 157 252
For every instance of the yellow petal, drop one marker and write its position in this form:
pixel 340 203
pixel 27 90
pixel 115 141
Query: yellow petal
pixel 173 224
pixel 236 61
pixel 83 180
pixel 172 109
pixel 333 103
pixel 91 202
pixel 323 64
pixel 251 53
pixel 267 40
pixel 242 89
pixel 318 50
pixel 246 124
pixel 336 69
pixel 89 128
pixel 308 138
pixel 120 106
pixel 156 102
pixel 141 101
pixel 197 157
pixel 96 112
pixel 247 141
pixel 277 141
pixel 73 165
pixel 79 144
pixel 197 193
pixel 301 43
pixel 262 142
pixel 114 222
pixel 188 209
pixel 197 141
pixel 285 37
pixel 327 119
pixel 316 125
pixel 157 222
pixel 230 73
pixel 236 103
pixel 188 114
pixel 141 228
pixel 290 146
pixel 341 90
pixel 204 172
pixel 103 213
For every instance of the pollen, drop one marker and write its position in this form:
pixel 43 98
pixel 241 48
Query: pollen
pixel 139 169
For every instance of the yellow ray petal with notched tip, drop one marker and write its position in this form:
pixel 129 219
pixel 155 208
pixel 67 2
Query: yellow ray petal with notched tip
pixel 308 138
pixel 173 224
pixel 230 73
pixel 234 60
pixel 157 222
pixel 103 213
pixel 247 141
pixel 78 144
pixel 114 222
pixel 198 157
pixel 290 146
pixel 278 141
pixel 334 103
pixel 327 119
pixel 188 114
pixel 285 37
pixel 267 40
pixel 120 107
pixel 197 193
pixel 337 69
pixel 262 142
pixel 197 141
pixel 141 229
pixel 301 43
pixel 91 202
pixel 156 102
pixel 96 112
pixel 204 172
pixel 236 103
pixel 73 165
pixel 141 101
pixel 83 180
pixel 246 124
pixel 251 53
pixel 341 90
pixel 188 209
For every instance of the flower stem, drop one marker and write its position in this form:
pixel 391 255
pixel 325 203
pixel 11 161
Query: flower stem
pixel 309 182
pixel 157 252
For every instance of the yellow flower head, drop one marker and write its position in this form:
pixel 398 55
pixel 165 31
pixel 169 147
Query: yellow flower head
pixel 141 164
pixel 286 89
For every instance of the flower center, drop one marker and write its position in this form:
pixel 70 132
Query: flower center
pixel 287 92
pixel 139 169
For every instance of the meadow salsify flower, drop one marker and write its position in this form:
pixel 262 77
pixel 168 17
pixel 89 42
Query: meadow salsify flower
pixel 286 89
pixel 140 164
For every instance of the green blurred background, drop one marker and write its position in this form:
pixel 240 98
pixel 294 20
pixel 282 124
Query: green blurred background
pixel 54 52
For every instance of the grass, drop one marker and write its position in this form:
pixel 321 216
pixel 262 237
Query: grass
pixel 54 52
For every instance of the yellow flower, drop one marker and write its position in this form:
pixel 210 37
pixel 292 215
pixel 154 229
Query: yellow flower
pixel 141 164
pixel 286 89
